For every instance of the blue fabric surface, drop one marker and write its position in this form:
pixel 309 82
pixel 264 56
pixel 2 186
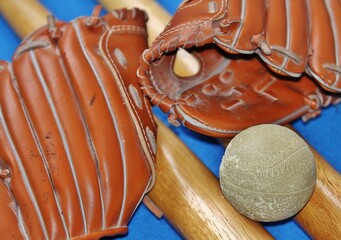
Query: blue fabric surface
pixel 323 133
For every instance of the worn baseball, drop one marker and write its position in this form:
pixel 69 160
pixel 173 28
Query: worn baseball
pixel 268 173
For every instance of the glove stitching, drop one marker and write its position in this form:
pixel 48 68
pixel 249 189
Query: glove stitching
pixel 187 25
pixel 112 61
pixel 132 110
pixel 153 82
pixel 150 80
pixel 147 103
pixel 129 28
pixel 129 99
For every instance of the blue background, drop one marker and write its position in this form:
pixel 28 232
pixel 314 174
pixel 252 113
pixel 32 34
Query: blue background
pixel 323 133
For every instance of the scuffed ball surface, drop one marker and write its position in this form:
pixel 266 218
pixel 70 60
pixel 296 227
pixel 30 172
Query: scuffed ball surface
pixel 268 173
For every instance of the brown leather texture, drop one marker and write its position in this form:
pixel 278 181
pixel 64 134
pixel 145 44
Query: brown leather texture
pixel 260 62
pixel 77 136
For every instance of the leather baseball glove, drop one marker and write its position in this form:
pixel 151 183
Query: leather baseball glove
pixel 298 40
pixel 77 139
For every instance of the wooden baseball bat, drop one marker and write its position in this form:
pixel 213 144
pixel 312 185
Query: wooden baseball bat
pixel 321 217
pixel 188 184
pixel 35 15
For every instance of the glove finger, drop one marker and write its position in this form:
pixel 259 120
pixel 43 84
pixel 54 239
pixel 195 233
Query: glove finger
pixel 243 20
pixel 286 34
pixel 325 39
pixel 60 133
pixel 276 30
pixel 100 92
pixel 24 162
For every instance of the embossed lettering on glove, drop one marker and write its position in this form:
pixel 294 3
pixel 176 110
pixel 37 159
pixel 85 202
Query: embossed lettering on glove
pixel 233 88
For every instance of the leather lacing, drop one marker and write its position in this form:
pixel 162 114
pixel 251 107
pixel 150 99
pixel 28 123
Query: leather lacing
pixel 158 98
pixel 4 171
pixel 94 19
pixel 316 101
pixel 30 45
pixel 54 31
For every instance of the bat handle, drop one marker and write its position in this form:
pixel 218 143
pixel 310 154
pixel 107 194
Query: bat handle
pixel 23 15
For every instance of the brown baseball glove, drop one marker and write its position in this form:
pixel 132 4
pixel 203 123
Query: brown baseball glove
pixel 77 139
pixel 298 40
